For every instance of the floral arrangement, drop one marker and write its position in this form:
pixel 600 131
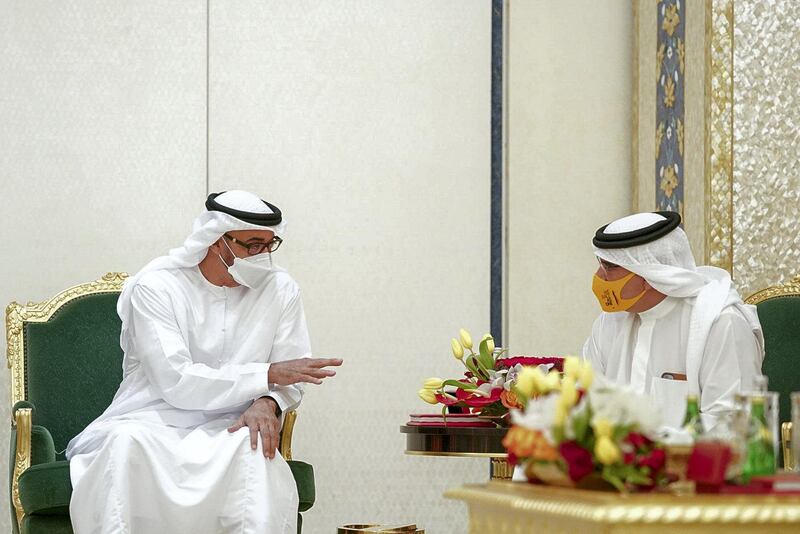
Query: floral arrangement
pixel 487 386
pixel 574 430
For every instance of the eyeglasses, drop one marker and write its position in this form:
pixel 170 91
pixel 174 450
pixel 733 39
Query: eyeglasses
pixel 257 248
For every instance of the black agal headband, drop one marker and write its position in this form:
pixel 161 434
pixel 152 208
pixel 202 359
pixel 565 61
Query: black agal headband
pixel 259 219
pixel 640 236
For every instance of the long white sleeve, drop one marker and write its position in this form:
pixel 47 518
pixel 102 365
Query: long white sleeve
pixel 160 346
pixel 730 362
pixel 291 342
pixel 591 348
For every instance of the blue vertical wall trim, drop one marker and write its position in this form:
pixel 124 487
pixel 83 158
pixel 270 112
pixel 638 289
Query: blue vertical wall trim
pixel 496 270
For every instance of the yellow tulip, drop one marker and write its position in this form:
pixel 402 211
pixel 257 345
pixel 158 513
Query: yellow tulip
pixel 489 342
pixel 433 383
pixel 466 339
pixel 569 394
pixel 606 451
pixel 458 350
pixel 529 380
pixel 572 366
pixel 587 375
pixel 551 382
pixel 561 414
pixel 603 428
pixel 428 396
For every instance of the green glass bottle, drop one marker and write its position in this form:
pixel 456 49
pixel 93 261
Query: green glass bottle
pixel 692 421
pixel 760 454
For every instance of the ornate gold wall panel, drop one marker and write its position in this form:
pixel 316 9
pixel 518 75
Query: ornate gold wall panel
pixel 766 136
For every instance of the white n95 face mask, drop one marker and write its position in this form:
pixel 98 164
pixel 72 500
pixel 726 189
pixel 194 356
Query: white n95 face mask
pixel 250 272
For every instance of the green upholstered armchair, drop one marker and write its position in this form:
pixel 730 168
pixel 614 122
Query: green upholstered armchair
pixel 66 365
pixel 779 314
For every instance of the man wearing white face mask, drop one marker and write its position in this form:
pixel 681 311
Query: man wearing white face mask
pixel 215 349
pixel 668 327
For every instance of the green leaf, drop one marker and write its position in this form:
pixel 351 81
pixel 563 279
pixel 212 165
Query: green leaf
pixel 609 476
pixel 469 365
pixel 486 358
pixel 495 408
pixel 580 424
pixel 621 431
pixel 639 479
pixel 482 373
pixel 459 385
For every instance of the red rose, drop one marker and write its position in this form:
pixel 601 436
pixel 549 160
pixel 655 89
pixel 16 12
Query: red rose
pixel 579 460
pixel 628 458
pixel 639 441
pixel 655 460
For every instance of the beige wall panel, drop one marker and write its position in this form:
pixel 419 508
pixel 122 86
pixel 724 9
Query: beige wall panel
pixel 569 159
pixel 645 95
pixel 694 214
pixel 368 123
pixel 102 128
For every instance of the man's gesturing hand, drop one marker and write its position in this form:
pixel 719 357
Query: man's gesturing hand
pixel 309 370
pixel 261 419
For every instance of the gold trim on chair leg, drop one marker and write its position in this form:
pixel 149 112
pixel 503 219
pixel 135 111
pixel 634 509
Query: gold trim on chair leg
pixel 286 435
pixel 22 461
pixel 786 442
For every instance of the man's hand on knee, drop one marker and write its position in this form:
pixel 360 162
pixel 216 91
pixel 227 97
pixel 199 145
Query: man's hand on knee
pixel 261 418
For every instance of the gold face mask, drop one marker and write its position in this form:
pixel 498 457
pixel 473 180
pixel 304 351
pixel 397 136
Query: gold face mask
pixel 609 294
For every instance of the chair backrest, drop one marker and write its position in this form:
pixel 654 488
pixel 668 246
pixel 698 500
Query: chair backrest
pixel 65 356
pixel 779 314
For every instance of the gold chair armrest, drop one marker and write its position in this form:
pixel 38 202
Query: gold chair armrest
pixel 786 443
pixel 22 460
pixel 286 434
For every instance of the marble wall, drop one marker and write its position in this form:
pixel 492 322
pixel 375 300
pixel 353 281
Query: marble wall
pixel 766 121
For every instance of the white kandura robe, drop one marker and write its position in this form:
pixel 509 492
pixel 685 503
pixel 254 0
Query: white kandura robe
pixel 160 458
pixel 637 349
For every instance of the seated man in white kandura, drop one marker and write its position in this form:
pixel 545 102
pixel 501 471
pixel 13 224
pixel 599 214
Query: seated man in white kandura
pixel 669 328
pixel 215 349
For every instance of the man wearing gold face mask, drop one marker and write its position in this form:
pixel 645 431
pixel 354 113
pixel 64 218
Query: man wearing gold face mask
pixel 669 328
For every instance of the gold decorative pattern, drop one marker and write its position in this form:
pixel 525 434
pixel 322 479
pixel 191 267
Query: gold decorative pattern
pixel 17 314
pixel 719 134
pixel 511 507
pixel 22 460
pixel 789 289
pixel 501 469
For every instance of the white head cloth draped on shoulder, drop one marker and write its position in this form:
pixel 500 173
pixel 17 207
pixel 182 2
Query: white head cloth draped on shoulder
pixel 654 246
pixel 226 212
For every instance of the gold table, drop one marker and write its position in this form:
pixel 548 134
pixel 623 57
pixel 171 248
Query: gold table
pixel 470 442
pixel 518 507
